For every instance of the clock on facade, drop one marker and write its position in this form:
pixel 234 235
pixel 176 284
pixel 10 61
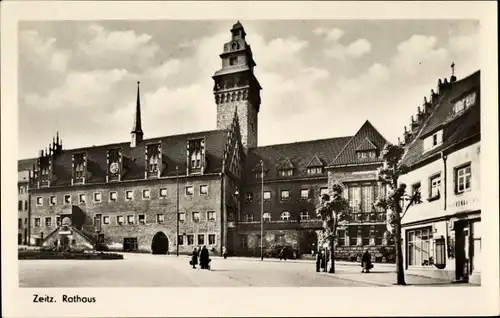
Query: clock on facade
pixel 113 168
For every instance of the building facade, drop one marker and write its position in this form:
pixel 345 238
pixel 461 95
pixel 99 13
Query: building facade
pixel 206 188
pixel 442 234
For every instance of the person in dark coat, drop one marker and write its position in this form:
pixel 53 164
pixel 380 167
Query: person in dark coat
pixel 204 258
pixel 366 262
pixel 194 258
pixel 224 252
pixel 282 254
pixel 319 259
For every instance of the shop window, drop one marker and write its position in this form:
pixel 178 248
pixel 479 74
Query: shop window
pixel 419 247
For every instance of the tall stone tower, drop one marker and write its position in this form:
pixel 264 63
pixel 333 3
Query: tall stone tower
pixel 236 89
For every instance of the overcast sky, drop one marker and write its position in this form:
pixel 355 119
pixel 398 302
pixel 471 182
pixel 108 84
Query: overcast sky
pixel 320 78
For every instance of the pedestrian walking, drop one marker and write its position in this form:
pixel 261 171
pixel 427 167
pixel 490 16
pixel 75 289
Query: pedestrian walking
pixel 224 252
pixel 282 254
pixel 194 258
pixel 366 262
pixel 204 258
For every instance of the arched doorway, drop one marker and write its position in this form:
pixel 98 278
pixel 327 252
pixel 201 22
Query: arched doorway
pixel 159 245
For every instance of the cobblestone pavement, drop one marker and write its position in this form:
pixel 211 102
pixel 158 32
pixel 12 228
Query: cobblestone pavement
pixel 144 270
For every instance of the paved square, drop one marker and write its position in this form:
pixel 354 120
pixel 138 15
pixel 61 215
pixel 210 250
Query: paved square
pixel 144 270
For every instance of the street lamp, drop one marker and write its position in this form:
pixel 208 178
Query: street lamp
pixel 262 212
pixel 177 208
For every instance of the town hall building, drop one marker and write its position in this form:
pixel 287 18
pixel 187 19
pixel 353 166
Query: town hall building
pixel 213 188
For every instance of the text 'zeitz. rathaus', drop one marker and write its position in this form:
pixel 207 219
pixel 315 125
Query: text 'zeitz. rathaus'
pixel 220 189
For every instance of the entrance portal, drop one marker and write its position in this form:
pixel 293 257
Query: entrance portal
pixel 159 245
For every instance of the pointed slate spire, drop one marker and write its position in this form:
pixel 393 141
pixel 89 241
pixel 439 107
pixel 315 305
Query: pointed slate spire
pixel 137 133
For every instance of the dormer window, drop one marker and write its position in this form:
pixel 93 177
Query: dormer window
pixel 153 160
pixel 79 168
pixel 285 172
pixel 196 153
pixel 464 103
pixel 433 140
pixel 370 154
pixel 314 170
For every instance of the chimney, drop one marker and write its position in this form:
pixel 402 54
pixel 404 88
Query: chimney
pixel 453 78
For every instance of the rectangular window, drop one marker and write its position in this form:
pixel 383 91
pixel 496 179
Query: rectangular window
pixel 248 197
pixel 129 195
pixel 233 60
pixel 211 215
pixel 243 241
pixel 367 197
pixel 48 222
pixel 201 239
pixel 248 217
pixel 119 220
pixel 19 223
pixel 285 195
pixel 37 222
pixel 113 196
pixel 97 220
pixel 314 170
pixel 414 189
pixel 142 219
pixel 105 220
pixel 189 190
pixel 204 189
pixel 286 173
pixel 160 218
pixel 354 194
pixel 81 198
pixel 130 219
pixel 163 193
pixel 211 239
pixel 304 194
pixel 304 216
pixel 97 197
pixel 435 186
pixel 190 239
pixel 463 178
pixel 196 216
pixel 419 246
pixel 67 199
pixel 182 216
pixel 53 200
pixel 340 237
pixel 58 220
pixel 267 195
pixel 180 239
pixel 39 201
pixel 20 205
pixel 26 205
pixel 146 194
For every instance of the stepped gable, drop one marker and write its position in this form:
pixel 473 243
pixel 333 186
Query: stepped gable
pixel 365 136
pixel 299 154
pixel 174 154
pixel 456 128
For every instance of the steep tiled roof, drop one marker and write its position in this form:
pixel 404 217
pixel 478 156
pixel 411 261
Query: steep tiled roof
pixel 348 155
pixel 174 154
pixel 455 129
pixel 298 153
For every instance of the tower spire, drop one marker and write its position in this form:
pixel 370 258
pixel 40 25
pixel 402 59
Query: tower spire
pixel 137 133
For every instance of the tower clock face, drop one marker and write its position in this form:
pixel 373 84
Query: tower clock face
pixel 113 168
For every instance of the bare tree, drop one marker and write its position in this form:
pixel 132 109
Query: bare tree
pixel 395 200
pixel 333 212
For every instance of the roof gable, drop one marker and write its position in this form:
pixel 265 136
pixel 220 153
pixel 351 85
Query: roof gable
pixel 348 154
pixel 365 145
pixel 315 162
pixel 286 165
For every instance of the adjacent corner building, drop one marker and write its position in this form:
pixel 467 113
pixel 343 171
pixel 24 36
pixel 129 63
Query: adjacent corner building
pixel 442 234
